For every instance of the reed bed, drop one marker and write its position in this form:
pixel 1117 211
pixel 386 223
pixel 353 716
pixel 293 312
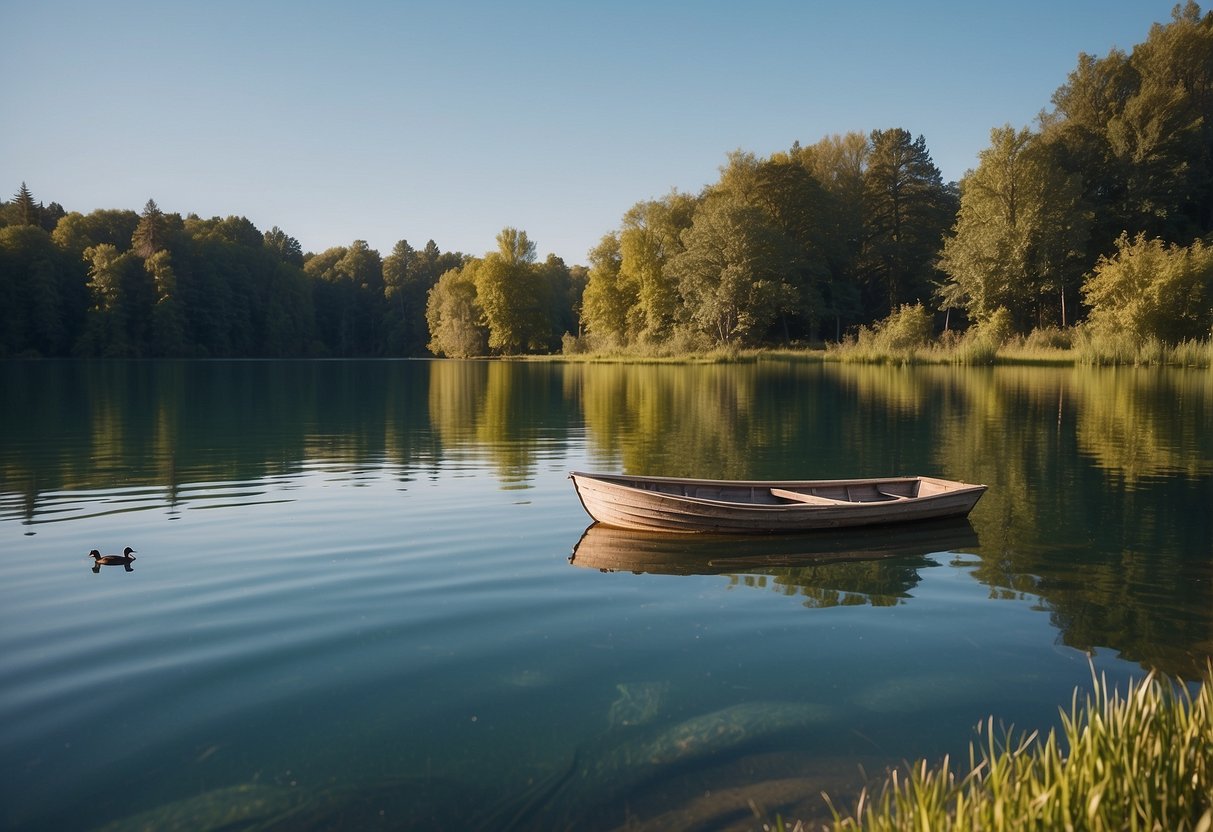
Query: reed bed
pixel 1138 761
pixel 976 348
pixel 905 338
pixel 1124 349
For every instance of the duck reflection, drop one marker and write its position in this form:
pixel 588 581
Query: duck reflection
pixel 123 560
pixel 828 569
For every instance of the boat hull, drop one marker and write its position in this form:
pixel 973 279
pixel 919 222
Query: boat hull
pixel 689 506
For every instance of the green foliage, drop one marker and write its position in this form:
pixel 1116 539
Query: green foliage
pixel 151 234
pixel 788 248
pixel 1048 338
pixel 981 343
pixel 455 317
pixel 838 163
pixel 404 303
pixel 408 276
pixel 27 211
pixel 285 247
pixel 1141 760
pixel 898 338
pixel 997 326
pixel 76 231
pixel 1019 226
pixel 168 327
pixel 209 287
pixel 607 298
pixel 505 302
pixel 1149 289
pixel 571 344
pixel 794 207
pixel 907 209
pixel 1138 128
pixel 122 295
pixel 906 328
pixel 350 298
pixel 731 274
pixel 562 287
pixel 514 296
pixel 649 238
pixel 35 293
pixel 238 231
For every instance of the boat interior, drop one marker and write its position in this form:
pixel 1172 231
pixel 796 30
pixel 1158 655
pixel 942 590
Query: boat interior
pixel 889 491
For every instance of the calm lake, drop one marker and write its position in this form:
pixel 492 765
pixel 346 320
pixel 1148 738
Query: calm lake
pixel 365 594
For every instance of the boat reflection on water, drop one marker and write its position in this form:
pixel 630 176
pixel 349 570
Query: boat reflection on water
pixel 614 550
pixel 828 569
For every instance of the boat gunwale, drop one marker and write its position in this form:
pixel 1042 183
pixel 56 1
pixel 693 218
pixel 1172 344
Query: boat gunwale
pixel 952 488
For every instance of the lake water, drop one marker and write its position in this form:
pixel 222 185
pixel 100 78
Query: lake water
pixel 353 603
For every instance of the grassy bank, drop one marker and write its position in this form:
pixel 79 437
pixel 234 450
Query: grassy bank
pixel 1141 760
pixel 718 356
pixel 905 338
pixel 1086 351
pixel 1024 351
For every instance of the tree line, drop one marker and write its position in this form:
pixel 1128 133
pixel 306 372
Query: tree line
pixel 115 283
pixel 1101 212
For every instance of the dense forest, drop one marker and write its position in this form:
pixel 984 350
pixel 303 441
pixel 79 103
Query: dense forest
pixel 1100 213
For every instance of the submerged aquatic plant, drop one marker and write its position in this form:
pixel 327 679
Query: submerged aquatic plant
pixel 1143 760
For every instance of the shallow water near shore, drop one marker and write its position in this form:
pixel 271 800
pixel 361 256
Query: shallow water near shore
pixel 365 594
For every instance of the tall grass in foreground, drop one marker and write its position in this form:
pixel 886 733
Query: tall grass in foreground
pixel 1143 760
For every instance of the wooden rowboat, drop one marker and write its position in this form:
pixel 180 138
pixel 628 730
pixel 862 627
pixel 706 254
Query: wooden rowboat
pixel 669 504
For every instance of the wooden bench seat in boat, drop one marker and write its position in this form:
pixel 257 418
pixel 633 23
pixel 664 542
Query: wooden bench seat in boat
pixel 801 497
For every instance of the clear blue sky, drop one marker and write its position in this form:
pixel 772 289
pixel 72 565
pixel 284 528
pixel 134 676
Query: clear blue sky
pixel 451 120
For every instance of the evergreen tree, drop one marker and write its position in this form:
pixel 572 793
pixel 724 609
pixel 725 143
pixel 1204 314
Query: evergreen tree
pixel 907 209
pixel 397 271
pixel 151 234
pixel 36 294
pixel 27 210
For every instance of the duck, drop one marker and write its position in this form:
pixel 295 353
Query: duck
pixel 128 555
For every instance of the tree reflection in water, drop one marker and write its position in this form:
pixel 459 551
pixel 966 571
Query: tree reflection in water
pixel 1101 480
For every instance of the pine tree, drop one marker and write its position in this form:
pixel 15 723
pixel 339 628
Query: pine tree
pixel 151 234
pixel 28 212
pixel 907 210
